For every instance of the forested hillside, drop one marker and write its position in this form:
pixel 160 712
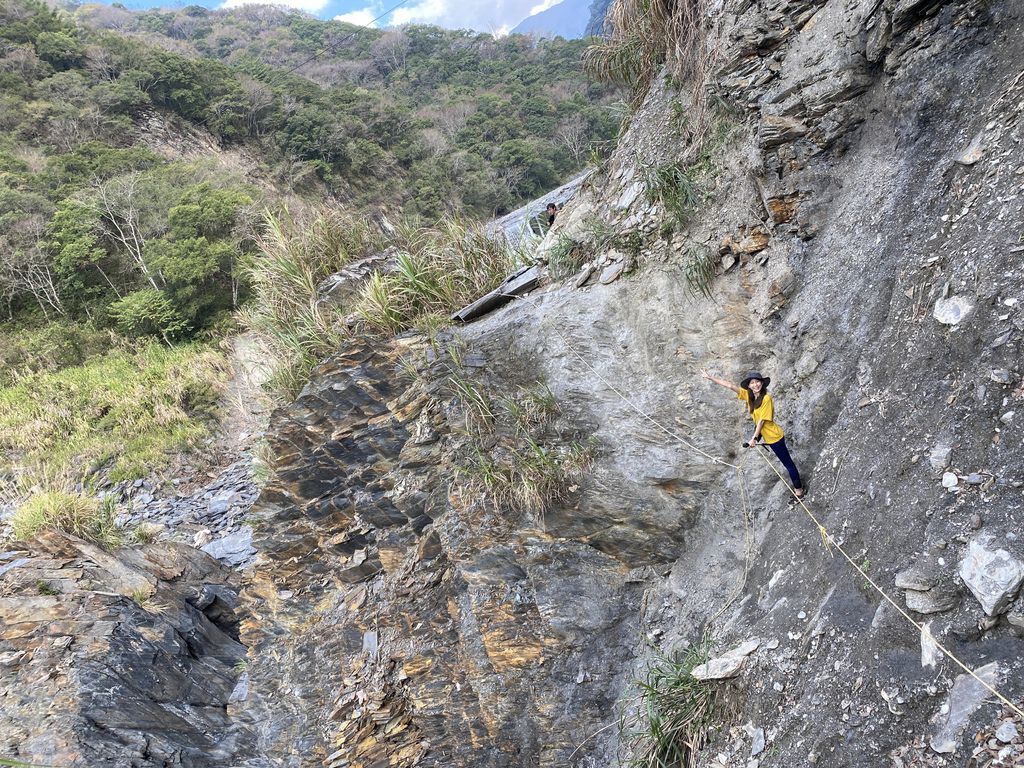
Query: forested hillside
pixel 139 153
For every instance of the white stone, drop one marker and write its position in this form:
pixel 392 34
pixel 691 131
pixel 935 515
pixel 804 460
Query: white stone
pixel 950 480
pixel 727 665
pixel 952 311
pixel 1006 732
pixel 629 196
pixel 993 575
pixel 929 648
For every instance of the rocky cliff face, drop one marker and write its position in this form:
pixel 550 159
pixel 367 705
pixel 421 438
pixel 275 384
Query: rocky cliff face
pixel 868 188
pixel 865 217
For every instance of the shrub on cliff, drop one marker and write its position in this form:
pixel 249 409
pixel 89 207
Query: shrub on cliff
pixel 675 712
pixel 440 269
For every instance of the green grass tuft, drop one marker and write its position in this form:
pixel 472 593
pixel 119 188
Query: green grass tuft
pixel 676 712
pixel 698 269
pixel 294 256
pixel 565 257
pixel 81 516
pixel 440 270
pixel 677 189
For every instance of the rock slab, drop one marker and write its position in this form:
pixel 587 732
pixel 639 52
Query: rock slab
pixel 725 666
pixel 965 697
pixel 992 574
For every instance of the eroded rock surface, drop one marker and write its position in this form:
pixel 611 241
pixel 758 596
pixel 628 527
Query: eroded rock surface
pixel 123 659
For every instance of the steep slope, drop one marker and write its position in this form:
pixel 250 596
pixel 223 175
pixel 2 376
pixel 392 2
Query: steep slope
pixel 861 207
pixel 844 209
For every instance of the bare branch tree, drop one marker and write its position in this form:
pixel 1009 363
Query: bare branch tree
pixel 116 204
pixel 259 98
pixel 390 52
pixel 24 268
pixel 572 134
pixel 452 119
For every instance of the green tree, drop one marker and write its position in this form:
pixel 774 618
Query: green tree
pixel 148 313
pixel 60 49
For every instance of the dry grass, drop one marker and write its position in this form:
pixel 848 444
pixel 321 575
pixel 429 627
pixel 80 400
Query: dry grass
pixel 72 513
pixel 295 255
pixel 146 601
pixel 527 476
pixel 642 36
pixel 440 269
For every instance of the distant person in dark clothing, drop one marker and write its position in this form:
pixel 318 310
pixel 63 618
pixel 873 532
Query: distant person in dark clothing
pixel 552 212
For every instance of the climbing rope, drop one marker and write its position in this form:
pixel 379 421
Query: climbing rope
pixel 828 541
pixel 831 544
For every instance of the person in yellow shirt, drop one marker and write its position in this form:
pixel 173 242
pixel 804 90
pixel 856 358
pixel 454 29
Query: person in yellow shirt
pixel 753 391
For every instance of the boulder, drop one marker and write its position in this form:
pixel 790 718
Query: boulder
pixel 965 697
pixel 993 575
pixel 235 549
pixel 932 600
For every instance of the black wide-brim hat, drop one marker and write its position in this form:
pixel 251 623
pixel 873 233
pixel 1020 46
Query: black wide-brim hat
pixel 755 375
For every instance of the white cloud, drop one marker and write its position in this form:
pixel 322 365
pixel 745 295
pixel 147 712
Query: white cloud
pixel 543 6
pixel 363 18
pixel 496 17
pixel 310 6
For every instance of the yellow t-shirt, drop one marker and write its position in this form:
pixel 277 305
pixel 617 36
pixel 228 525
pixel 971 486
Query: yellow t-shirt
pixel 770 432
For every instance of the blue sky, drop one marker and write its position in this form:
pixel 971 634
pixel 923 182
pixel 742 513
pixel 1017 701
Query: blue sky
pixel 496 16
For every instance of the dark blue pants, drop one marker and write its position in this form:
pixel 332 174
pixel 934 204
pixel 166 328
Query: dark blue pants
pixel 779 449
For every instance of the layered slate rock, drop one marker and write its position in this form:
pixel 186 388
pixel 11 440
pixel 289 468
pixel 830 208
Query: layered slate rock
pixel 117 659
pixel 392 622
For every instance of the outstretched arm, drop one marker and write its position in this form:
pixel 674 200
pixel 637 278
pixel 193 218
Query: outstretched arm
pixel 721 382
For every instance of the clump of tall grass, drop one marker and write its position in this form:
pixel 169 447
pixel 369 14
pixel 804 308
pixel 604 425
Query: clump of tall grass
pixel 82 516
pixel 641 36
pixel 294 255
pixel 565 256
pixel 676 712
pixel 531 408
pixel 439 270
pixel 513 458
pixel 677 188
pixel 698 270
pixel 526 476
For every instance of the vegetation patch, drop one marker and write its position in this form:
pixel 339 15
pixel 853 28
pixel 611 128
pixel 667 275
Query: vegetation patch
pixel 676 712
pixel 122 413
pixel 515 458
pixel 82 516
pixel 698 271
pixel 526 475
pixel 566 256
pixel 644 35
pixel 294 256
pixel 440 269
pixel 678 189
pixel 569 252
